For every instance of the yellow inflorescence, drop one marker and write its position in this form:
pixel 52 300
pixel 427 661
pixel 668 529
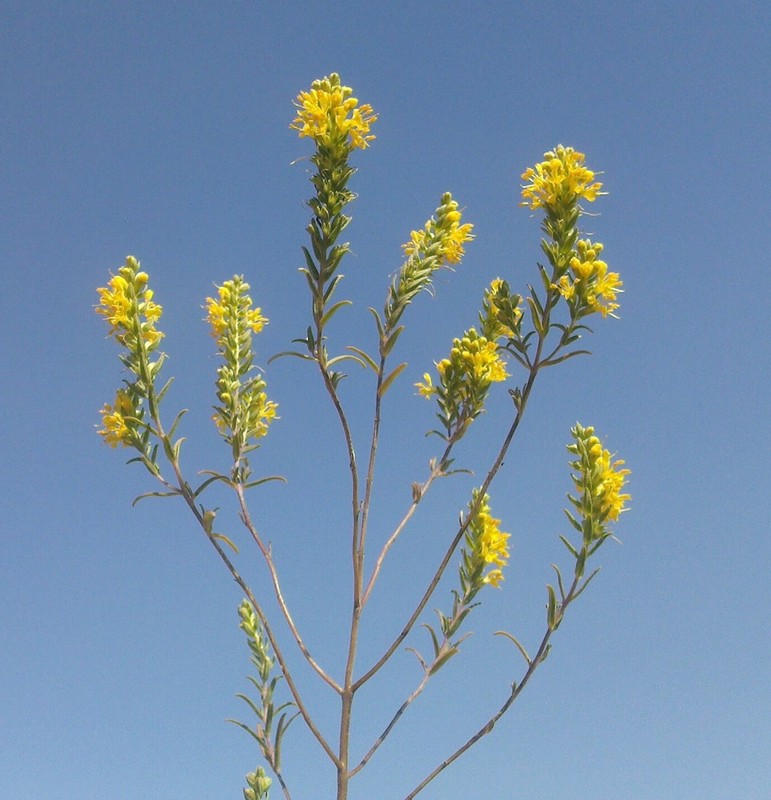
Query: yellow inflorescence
pixel 562 176
pixel 612 480
pixel 591 280
pixel 127 305
pixel 493 327
pixel 328 110
pixel 476 357
pixel 446 233
pixel 115 431
pixel 220 312
pixel 490 543
pixel 602 476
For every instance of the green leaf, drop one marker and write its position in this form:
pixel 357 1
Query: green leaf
pixel 434 639
pixel 378 322
pixel 247 729
pixel 535 314
pixel 215 476
pixel 333 310
pixel 152 494
pixel 551 608
pixel 580 562
pixel 391 378
pixel 366 359
pixel 559 582
pixel 294 353
pixel 161 394
pixel 332 286
pixel 221 537
pixel 391 341
pixel 517 644
pixel 439 663
pixel 567 542
pixel 312 269
pixel 260 481
pixel 552 361
pixel 586 583
pixel 250 703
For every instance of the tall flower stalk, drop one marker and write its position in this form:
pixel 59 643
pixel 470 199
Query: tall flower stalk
pixel 514 338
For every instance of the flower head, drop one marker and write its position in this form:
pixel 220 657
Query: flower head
pixel 560 179
pixel 486 545
pixel 442 238
pixel 116 420
pixel 501 315
pixel 328 112
pixel 465 377
pixel 127 305
pixel 245 412
pixel 599 480
pixel 592 289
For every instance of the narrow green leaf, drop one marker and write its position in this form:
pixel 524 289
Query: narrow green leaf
pixel 516 643
pixel 260 481
pixel 552 361
pixel 391 378
pixel 535 314
pixel 223 538
pixel 247 729
pixel 294 353
pixel 439 663
pixel 162 392
pixel 434 639
pixel 152 494
pixel 378 322
pixel 368 360
pixel 586 583
pixel 392 339
pixel 551 608
pixel 567 542
pixel 333 310
pixel 250 703
pixel 312 269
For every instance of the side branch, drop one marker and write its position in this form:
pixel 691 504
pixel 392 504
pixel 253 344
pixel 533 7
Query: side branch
pixel 246 519
pixel 461 530
pixel 516 690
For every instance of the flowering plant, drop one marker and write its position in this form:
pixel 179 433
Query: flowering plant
pixel 516 337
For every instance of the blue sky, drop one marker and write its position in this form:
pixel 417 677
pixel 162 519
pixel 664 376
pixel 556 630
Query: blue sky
pixel 161 130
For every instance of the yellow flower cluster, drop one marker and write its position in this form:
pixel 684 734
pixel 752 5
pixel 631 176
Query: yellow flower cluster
pixel 476 357
pixel 473 360
pixel 599 478
pixel 560 178
pixel 329 111
pixel 221 311
pixel 127 305
pixel 501 314
pixel 591 280
pixel 443 237
pixel 611 480
pixel 116 431
pixel 489 543
pixel 245 412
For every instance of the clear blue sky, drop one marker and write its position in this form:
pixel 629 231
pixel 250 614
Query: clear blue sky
pixel 161 130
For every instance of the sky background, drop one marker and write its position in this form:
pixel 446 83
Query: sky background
pixel 161 130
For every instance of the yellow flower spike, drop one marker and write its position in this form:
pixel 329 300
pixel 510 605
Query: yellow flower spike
pixel 599 480
pixel 244 413
pixel 328 111
pixel 116 430
pixel 486 543
pixel 114 304
pixel 125 301
pixel 560 178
